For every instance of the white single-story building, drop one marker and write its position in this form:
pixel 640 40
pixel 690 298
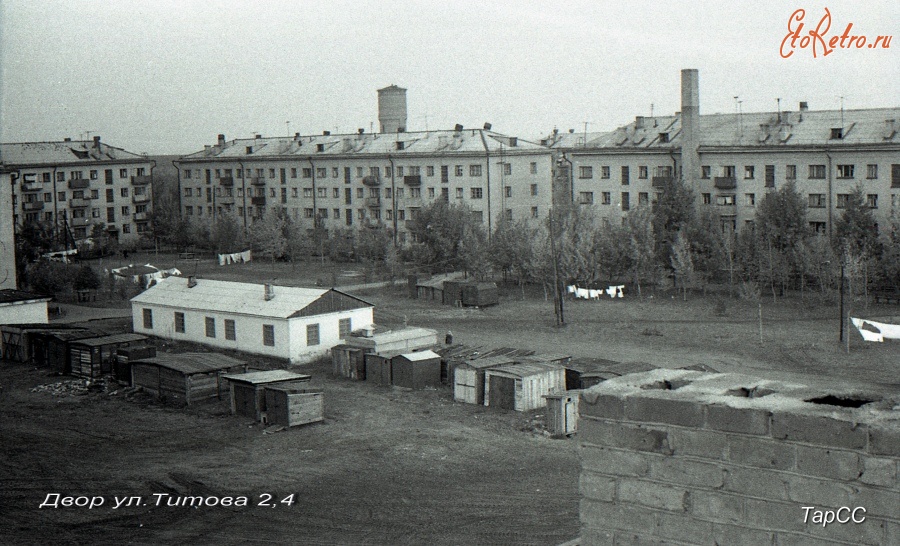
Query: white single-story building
pixel 298 324
pixel 19 307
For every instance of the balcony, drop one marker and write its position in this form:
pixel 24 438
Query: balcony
pixel 258 200
pixel 725 182
pixel 225 199
pixel 373 202
pixel 112 228
pixel 80 222
pixel 141 180
pixel 140 198
pixel 662 181
pixel 79 184
pixel 33 206
pixel 413 180
pixel 32 186
pixel 79 203
pixel 226 181
pixel 258 181
pixel 372 180
pixel 141 216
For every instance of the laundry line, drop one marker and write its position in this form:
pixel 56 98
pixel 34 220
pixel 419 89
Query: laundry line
pixel 613 291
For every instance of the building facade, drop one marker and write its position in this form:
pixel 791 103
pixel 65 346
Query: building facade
pixel 732 160
pixel 77 185
pixel 7 233
pixel 297 324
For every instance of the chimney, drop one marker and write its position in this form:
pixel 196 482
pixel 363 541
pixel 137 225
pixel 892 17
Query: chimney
pixel 221 140
pixel 690 125
pixel 513 141
pixel 192 281
pixel 360 131
pixel 487 126
pixel 296 136
pixel 97 142
pixel 638 122
pixel 458 128
pixel 67 139
pixel 804 106
pixel 326 133
pixel 269 292
pixel 257 135
pixel 571 131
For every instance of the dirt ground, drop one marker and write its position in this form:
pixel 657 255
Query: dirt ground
pixel 387 466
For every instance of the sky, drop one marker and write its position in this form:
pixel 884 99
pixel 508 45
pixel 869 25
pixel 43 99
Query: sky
pixel 165 77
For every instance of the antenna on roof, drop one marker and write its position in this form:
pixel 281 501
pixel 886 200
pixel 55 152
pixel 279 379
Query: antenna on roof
pixel 585 133
pixel 842 110
pixel 288 125
pixel 778 103
pixel 651 109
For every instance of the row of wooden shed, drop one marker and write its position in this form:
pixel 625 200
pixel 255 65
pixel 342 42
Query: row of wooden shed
pixel 454 289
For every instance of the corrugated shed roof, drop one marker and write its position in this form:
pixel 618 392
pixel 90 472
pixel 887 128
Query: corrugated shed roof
pixel 420 355
pixel 230 297
pixel 188 363
pixel 374 144
pixel 9 295
pixel 437 281
pixel 527 369
pixel 270 376
pixel 21 154
pixel 112 340
pixel 400 335
pixel 753 129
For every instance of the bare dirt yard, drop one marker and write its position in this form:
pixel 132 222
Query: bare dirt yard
pixel 387 466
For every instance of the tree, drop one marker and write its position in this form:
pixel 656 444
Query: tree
pixel 512 248
pixel 642 245
pixel 890 254
pixel 227 235
pixel 86 279
pixel 673 212
pixel 438 231
pixel 683 261
pixel 855 229
pixel 32 239
pixel 781 229
pixel 266 234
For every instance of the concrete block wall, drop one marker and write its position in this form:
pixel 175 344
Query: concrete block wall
pixel 683 457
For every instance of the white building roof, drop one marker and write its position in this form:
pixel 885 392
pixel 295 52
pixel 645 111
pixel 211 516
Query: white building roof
pixel 231 297
pixel 420 355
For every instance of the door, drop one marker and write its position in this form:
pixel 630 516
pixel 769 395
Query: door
pixel 502 392
pixel 571 416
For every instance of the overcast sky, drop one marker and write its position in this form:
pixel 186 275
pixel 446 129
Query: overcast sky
pixel 168 76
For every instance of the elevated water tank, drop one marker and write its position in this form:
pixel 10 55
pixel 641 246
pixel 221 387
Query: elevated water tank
pixel 392 109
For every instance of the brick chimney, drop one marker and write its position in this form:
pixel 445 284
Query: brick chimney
pixel 97 142
pixel 269 292
pixel 221 142
pixel 690 126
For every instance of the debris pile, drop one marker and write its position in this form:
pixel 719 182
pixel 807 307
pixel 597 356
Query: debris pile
pixel 72 387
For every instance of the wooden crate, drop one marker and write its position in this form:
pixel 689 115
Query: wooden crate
pixel 292 406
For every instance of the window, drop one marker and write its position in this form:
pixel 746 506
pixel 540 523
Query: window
pixel 643 198
pixel 585 172
pixel 415 170
pixel 750 199
pixel 507 168
pixel 322 192
pixel 458 171
pixel 725 200
pixel 476 193
pixel 429 170
pixel 895 175
pixel 189 210
pixel 148 319
pixel 308 213
pixel 872 200
pixel 474 170
pixel 307 172
pixel 323 213
pixel 210 327
pixel 837 133
pixel 321 172
pixel 360 193
pixel 534 167
pixel 93 175
pixel 344 328
pixel 269 334
pixel 335 173
pixel 749 172
pixel 626 201
pixel 445 173
pixel 845 171
pixel 399 193
pixel 188 192
pixel 123 173
pixel 842 200
pixel 293 172
pixel 507 191
pixel 605 198
pixel 459 193
pixel 604 171
pixel 337 213
pixel 707 198
pixel 507 214
pixel 817 200
pixel 790 172
pixel 625 175
pixel 401 214
pixel 871 172
pixel 179 322
pixel 770 176
pixel 586 198
pixel 312 334
pixel 307 192
pixel 125 211
pixel 817 172
pixel 642 172
pixel 817 227
pixel 431 193
pixel 705 171
pixel 124 192
pixel 230 330
pixel 387 193
pixel 728 171
pixel 534 190
pixel 399 172
pixel 359 172
pixel 534 212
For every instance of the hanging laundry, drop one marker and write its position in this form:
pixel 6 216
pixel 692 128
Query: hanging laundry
pixel 246 256
pixel 611 291
pixel 570 289
pixel 620 291
pixel 867 330
pixel 581 293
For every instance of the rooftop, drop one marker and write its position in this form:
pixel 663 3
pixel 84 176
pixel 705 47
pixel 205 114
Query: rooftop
pixel 76 152
pixel 270 376
pixel 189 363
pixel 9 295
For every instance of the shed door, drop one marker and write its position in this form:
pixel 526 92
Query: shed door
pixel 571 416
pixel 502 392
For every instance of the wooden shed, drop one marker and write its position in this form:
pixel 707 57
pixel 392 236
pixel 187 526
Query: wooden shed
pixel 348 361
pixel 522 386
pixel 583 373
pixel 126 355
pixel 468 377
pixel 185 377
pixel 562 413
pixel 94 357
pixel 416 370
pixel 480 294
pixel 292 405
pixel 405 340
pixel 433 288
pixel 17 341
pixel 452 294
pixel 53 347
pixel 248 390
pixel 378 368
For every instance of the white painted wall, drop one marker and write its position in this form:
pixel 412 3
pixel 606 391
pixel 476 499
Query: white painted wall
pixel 23 312
pixel 329 332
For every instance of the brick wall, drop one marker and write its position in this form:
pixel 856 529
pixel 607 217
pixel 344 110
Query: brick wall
pixel 678 456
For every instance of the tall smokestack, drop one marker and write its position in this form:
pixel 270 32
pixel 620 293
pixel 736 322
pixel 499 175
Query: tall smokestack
pixel 392 109
pixel 690 126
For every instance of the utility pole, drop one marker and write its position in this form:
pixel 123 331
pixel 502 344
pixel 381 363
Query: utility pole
pixel 557 293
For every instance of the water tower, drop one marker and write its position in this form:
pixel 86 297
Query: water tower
pixel 392 109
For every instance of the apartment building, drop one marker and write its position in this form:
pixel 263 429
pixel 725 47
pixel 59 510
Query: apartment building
pixel 732 160
pixel 369 180
pixel 79 184
pixel 7 238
